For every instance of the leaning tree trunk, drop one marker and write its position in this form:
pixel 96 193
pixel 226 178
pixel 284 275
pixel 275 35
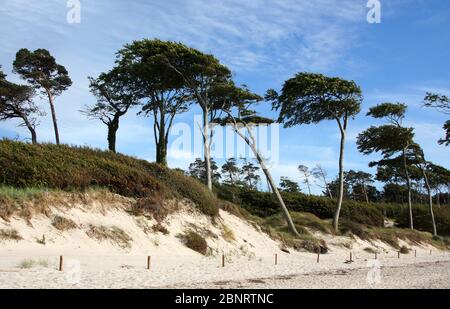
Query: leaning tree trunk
pixel 206 147
pixel 269 177
pixel 366 195
pixel 113 127
pixel 408 184
pixel 309 187
pixel 55 123
pixel 341 182
pixel 30 128
pixel 430 202
pixel 274 188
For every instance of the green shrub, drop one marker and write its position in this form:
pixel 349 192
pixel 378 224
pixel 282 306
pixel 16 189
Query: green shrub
pixel 79 168
pixel 264 204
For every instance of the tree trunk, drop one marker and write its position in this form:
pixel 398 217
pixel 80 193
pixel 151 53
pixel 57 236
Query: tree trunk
pixel 430 202
pixel 274 187
pixel 366 195
pixel 161 145
pixel 113 127
pixel 206 146
pixel 55 123
pixel 408 184
pixel 309 187
pixel 341 182
pixel 269 178
pixel 30 128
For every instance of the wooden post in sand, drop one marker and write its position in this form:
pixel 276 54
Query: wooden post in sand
pixel 415 253
pixel 149 262
pixel 431 252
pixel 223 260
pixel 399 254
pixel 61 263
pixel 276 259
pixel 318 255
pixel 376 255
pixel 351 256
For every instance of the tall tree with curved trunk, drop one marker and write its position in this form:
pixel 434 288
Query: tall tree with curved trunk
pixel 115 95
pixel 319 173
pixel 200 73
pixel 162 88
pixel 40 69
pixel 312 98
pixel 306 173
pixel 236 104
pixel 390 139
pixel 16 103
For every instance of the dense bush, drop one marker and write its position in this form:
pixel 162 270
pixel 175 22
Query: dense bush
pixel 79 168
pixel 422 218
pixel 265 204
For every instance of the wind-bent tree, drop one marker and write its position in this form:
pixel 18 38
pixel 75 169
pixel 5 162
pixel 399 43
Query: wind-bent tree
pixel 232 171
pixel 425 168
pixel 312 98
pixel 162 88
pixel 306 174
pixel 16 103
pixel 441 103
pixel 390 139
pixel 250 175
pixel 115 95
pixel 236 104
pixel 320 174
pixel 359 182
pixel 40 69
pixel 197 169
pixel 287 185
pixel 200 73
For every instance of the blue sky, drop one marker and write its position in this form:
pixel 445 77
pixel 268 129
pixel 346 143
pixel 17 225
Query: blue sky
pixel 264 43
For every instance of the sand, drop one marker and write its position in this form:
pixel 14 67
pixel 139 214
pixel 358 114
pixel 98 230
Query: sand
pixel 249 257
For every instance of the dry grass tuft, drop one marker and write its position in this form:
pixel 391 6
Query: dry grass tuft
pixel 114 234
pixel 10 235
pixel 195 241
pixel 63 224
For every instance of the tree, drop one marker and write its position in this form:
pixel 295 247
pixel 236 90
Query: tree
pixel 201 73
pixel 288 185
pixel 417 157
pixel 441 103
pixel 359 183
pixel 320 174
pixel 236 104
pixel 250 174
pixel 306 173
pixel 312 98
pixel 390 139
pixel 232 171
pixel 197 169
pixel 16 102
pixel 115 96
pixel 40 69
pixel 163 88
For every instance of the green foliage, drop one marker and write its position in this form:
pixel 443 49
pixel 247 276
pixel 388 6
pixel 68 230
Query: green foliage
pixel 311 98
pixel 288 185
pixel 40 69
pixel 394 111
pixel 265 204
pixel 79 168
pixel 387 139
pixel 421 216
pixel 10 234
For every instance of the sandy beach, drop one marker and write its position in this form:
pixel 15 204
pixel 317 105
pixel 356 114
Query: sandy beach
pixel 296 270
